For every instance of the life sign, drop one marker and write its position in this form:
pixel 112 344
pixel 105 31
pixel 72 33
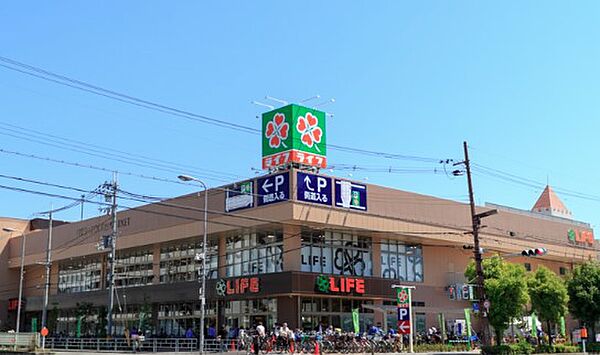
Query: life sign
pixel 238 286
pixel 339 285
pixel 314 188
pixel 273 189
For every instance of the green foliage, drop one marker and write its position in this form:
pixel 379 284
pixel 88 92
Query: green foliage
pixel 425 348
pixel 522 347
pixel 548 293
pixel 592 347
pixel 584 292
pixel 83 311
pixel 497 350
pixel 505 287
pixel 556 349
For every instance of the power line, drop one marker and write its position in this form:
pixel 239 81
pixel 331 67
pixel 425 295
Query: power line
pixel 27 132
pixel 129 99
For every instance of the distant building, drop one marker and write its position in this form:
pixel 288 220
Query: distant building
pixel 549 204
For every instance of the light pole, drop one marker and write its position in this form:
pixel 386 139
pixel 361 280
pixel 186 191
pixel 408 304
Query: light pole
pixel 10 230
pixel 204 241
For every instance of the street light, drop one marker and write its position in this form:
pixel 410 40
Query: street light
pixel 204 241
pixel 11 230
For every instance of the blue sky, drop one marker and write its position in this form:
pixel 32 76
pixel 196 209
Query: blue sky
pixel 517 80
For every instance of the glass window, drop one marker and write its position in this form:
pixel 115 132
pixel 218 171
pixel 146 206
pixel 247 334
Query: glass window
pixel 133 268
pixel 254 253
pixel 336 253
pixel 401 262
pixel 79 275
pixel 177 262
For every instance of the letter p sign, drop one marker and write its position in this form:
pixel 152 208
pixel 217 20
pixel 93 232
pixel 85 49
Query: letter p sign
pixel 403 314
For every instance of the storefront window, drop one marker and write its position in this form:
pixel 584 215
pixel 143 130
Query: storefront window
pixel 254 253
pixel 134 268
pixel 401 262
pixel 322 312
pixel 80 275
pixel 336 253
pixel 247 313
pixel 174 319
pixel 177 262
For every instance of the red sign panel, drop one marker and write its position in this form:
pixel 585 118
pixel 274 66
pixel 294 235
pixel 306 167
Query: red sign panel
pixel 403 327
pixel 238 286
pixel 13 304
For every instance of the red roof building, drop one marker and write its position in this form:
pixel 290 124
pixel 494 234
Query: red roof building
pixel 549 204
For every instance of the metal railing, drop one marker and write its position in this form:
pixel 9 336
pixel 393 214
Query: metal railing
pixel 14 341
pixel 122 344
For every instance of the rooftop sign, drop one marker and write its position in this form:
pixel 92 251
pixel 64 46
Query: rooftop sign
pixel 293 134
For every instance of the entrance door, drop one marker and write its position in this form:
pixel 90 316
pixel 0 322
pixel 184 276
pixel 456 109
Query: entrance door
pixel 258 318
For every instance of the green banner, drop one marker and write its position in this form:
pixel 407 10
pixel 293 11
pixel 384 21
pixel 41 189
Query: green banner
pixel 355 321
pixel 533 325
pixel 79 319
pixel 468 327
pixel 34 327
pixel 563 328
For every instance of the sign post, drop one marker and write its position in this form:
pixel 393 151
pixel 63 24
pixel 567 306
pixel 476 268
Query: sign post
pixel 404 301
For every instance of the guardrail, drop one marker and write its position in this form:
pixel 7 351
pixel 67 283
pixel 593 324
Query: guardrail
pixel 146 345
pixel 19 341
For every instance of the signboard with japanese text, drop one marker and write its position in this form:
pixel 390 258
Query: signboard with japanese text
pixel 293 134
pixel 239 196
pixel 273 188
pixel 314 188
pixel 350 195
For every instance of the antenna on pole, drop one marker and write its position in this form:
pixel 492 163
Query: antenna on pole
pixel 262 104
pixel 311 98
pixel 324 103
pixel 276 100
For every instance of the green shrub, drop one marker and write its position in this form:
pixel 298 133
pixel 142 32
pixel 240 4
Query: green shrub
pixel 522 347
pixel 424 348
pixel 592 347
pixel 497 350
pixel 546 349
pixel 564 348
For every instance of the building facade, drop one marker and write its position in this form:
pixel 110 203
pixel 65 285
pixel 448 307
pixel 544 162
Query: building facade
pixel 289 247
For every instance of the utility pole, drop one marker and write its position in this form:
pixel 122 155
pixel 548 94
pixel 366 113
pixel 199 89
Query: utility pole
pixel 82 201
pixel 112 255
pixel 476 224
pixel 47 286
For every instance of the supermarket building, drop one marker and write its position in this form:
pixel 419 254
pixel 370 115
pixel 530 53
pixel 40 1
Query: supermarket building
pixel 291 246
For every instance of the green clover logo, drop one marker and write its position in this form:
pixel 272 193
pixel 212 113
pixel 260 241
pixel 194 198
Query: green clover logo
pixel 323 283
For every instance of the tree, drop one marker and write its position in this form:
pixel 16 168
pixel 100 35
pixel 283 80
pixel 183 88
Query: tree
pixel 584 293
pixel 506 288
pixel 549 297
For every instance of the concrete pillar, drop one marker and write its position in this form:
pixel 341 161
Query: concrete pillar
pixel 376 255
pixel 156 263
pixel 292 243
pixel 222 260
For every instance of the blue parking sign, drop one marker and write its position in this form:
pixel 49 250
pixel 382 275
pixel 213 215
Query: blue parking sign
pixel 273 188
pixel 314 188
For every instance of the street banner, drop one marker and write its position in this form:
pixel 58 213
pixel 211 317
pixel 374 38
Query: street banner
pixel 533 325
pixel 563 328
pixel 468 327
pixel 355 321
